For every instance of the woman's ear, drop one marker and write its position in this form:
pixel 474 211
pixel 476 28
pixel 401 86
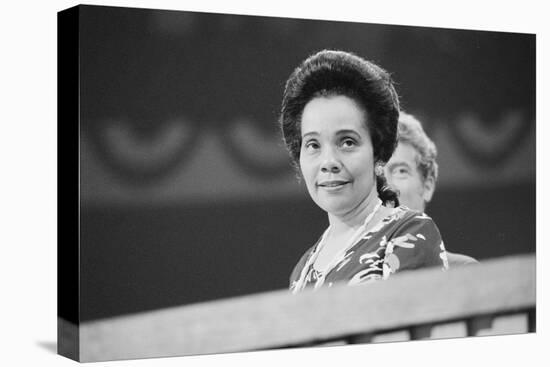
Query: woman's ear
pixel 429 188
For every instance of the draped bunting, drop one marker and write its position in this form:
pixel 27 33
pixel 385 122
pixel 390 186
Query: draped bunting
pixel 156 83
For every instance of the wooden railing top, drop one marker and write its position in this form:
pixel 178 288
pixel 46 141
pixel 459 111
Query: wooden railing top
pixel 277 319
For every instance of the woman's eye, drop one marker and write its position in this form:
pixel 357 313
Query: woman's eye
pixel 348 143
pixel 311 145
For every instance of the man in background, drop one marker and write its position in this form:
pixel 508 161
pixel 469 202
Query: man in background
pixel 413 170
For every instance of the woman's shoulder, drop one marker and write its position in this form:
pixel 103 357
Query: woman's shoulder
pixel 394 218
pixel 414 242
pixel 403 215
pixel 407 220
pixel 404 224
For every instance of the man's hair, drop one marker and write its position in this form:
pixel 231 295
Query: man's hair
pixel 410 131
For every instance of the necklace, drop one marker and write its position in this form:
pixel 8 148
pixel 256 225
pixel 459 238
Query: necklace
pixel 336 259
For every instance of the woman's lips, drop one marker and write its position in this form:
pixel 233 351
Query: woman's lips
pixel 332 185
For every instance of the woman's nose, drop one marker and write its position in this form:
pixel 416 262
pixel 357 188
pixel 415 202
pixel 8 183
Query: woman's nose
pixel 330 164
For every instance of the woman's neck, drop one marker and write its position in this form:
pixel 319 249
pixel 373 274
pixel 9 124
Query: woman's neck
pixel 352 220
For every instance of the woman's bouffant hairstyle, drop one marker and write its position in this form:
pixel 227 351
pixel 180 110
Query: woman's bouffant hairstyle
pixel 410 131
pixel 328 73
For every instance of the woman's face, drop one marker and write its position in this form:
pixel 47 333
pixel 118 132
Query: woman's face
pixel 336 156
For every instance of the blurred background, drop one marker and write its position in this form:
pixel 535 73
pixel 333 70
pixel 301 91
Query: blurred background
pixel 187 193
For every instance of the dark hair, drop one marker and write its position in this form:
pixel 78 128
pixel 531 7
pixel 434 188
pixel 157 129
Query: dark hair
pixel 331 72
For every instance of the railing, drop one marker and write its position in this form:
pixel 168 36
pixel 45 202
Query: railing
pixel 494 297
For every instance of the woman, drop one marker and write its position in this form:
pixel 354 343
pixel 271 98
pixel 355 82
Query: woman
pixel 339 121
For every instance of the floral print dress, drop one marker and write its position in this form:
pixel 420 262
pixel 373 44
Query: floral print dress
pixel 404 240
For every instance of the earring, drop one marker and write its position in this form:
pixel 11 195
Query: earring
pixel 379 169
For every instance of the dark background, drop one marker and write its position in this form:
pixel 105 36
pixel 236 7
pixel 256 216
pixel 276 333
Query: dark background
pixel 143 248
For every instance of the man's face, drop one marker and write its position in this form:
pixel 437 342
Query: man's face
pixel 402 172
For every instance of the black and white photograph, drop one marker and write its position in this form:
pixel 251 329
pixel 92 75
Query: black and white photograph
pixel 243 186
